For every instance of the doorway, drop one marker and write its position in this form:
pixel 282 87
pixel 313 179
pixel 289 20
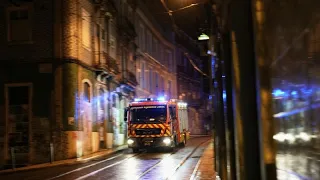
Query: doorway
pixel 18 115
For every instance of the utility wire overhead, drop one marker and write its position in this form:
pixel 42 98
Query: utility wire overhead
pixel 174 24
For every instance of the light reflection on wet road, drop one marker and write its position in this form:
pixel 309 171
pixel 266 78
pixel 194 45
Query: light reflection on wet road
pixel 127 165
pixel 300 165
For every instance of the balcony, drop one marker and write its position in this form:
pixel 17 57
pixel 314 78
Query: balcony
pixel 110 66
pixel 128 78
pixel 126 28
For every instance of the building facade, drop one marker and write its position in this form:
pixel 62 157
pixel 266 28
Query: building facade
pixel 65 78
pixel 190 82
pixel 155 62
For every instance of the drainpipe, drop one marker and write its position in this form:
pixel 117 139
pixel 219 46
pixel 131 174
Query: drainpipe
pixel 52 102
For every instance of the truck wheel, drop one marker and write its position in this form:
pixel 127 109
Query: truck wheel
pixel 184 142
pixel 175 142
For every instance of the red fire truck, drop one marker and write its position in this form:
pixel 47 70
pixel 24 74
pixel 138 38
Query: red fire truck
pixel 157 123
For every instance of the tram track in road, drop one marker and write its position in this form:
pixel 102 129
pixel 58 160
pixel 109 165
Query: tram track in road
pixel 95 164
pixel 176 168
pixel 136 166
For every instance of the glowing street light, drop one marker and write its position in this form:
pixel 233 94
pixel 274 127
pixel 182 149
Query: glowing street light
pixel 203 37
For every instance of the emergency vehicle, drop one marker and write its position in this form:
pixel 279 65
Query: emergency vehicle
pixel 155 123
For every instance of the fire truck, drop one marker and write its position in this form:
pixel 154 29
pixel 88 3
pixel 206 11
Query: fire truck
pixel 156 123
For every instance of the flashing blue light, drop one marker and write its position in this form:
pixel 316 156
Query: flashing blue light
pixel 161 99
pixel 224 95
pixel 278 93
pixel 149 99
pixel 293 93
pixel 142 99
pixel 306 91
pixel 137 99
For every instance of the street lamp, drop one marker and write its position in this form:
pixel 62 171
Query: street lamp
pixel 203 37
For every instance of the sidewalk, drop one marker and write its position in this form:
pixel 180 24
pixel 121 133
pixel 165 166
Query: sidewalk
pixel 205 167
pixel 68 161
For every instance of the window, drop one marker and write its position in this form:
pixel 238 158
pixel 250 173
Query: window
pixel 170 62
pixel 142 37
pixel 169 88
pixel 161 84
pixel 149 42
pixel 103 40
pixel 87 92
pixel 112 47
pixel 97 30
pixel 155 48
pixel 146 78
pixel 138 72
pixel 172 111
pixel 142 76
pixel 161 53
pixel 156 81
pixel 86 30
pixel 112 40
pixel 185 63
pixel 18 19
pixel 150 80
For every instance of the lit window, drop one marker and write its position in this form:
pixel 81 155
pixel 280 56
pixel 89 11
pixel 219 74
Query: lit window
pixel 19 25
pixel 86 29
pixel 112 39
pixel 112 47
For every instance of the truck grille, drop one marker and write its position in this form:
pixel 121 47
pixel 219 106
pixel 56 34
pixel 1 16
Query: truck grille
pixel 148 131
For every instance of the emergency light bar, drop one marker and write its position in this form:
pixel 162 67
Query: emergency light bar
pixel 149 99
pixel 142 99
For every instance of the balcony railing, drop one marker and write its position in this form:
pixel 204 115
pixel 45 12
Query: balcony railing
pixel 111 65
pixel 126 27
pixel 128 77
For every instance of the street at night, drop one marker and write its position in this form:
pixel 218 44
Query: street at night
pixel 160 89
pixel 154 164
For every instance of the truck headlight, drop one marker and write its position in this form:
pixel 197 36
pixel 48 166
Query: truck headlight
pixel 166 141
pixel 130 141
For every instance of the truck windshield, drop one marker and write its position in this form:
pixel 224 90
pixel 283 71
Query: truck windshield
pixel 148 114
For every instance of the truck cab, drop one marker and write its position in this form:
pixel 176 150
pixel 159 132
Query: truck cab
pixel 156 123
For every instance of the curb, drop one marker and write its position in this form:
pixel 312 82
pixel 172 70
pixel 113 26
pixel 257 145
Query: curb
pixel 200 164
pixel 67 161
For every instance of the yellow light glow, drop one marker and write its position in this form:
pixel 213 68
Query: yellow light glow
pixel 203 37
